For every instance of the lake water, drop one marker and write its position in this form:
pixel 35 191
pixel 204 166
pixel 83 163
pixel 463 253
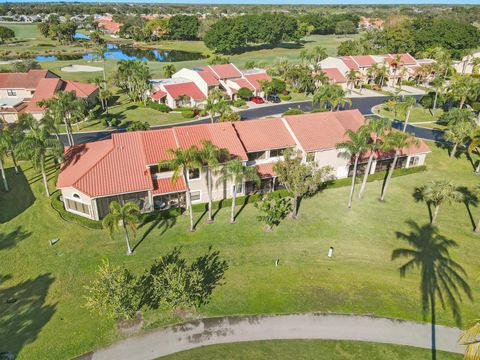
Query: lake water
pixel 118 52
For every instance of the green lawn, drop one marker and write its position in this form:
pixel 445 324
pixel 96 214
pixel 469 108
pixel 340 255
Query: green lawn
pixel 308 350
pixel 417 114
pixel 49 320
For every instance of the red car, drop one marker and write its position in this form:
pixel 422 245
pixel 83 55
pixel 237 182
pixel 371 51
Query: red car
pixel 257 100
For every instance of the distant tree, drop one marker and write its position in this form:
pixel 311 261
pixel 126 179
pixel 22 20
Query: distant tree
pixel 26 65
pixel 183 27
pixel 6 34
pixel 273 209
pixel 218 60
pixel 299 178
pixel 244 93
pixel 345 27
pixel 126 216
pixel 114 292
pixel 169 70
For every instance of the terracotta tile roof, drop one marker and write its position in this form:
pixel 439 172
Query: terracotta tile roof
pixel 254 79
pixel 263 134
pixel 82 90
pixel 266 170
pixel 349 62
pixel 406 59
pixel 243 83
pixel 156 143
pixel 108 25
pixel 165 186
pixel 27 80
pixel 186 88
pixel 157 95
pixel 363 60
pixel 323 130
pixel 335 75
pixel 207 74
pixel 45 90
pixel 225 71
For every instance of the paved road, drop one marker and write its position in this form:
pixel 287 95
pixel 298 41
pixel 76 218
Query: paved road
pixel 212 331
pixel 363 104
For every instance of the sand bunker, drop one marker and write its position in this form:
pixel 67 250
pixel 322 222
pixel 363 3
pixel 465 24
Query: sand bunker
pixel 81 68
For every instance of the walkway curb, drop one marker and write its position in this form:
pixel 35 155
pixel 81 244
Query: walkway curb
pixel 222 330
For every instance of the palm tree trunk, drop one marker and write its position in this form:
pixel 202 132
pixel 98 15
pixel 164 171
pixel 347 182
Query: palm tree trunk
pixel 407 118
pixel 435 100
pixel 477 170
pixel 389 177
pixel 4 177
pixel 435 214
pixel 189 201
pixel 354 177
pixel 44 177
pixel 462 102
pixel 432 309
pixel 127 239
pixel 234 195
pixel 454 150
pixel 209 185
pixel 14 159
pixel 477 228
pixel 365 176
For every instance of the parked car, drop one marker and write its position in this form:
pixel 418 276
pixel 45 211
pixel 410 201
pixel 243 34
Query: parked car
pixel 256 100
pixel 273 98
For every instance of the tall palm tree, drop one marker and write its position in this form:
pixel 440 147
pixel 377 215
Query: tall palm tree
pixel 473 146
pixel 236 171
pixel 215 103
pixel 395 65
pixel 319 53
pixel 461 88
pixel 458 133
pixel 36 147
pixel 395 141
pixel 211 156
pixel 339 98
pixel 406 106
pixel 183 161
pixel 354 148
pixel 441 277
pixel 352 78
pixel 3 153
pixel 437 84
pixel 438 193
pixel 377 128
pixel 127 216
pixel 10 137
pixel 471 339
pixel 26 121
pixel 169 70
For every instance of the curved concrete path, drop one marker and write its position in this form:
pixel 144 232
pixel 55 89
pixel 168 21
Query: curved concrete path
pixel 212 331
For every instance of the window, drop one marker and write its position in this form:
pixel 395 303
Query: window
pixel 78 206
pixel 257 155
pixel 155 169
pixel 310 157
pixel 414 160
pixel 194 174
pixel 239 188
pixel 11 92
pixel 196 195
pixel 276 152
pixel 76 196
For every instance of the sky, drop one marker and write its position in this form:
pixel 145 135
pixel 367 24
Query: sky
pixel 314 2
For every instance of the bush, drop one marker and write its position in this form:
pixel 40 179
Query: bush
pixel 115 122
pixel 317 110
pixel 138 126
pixel 230 116
pixel 188 114
pixel 285 97
pixel 409 82
pixel 57 205
pixel 239 102
pixel 293 111
pixel 244 93
pixel 159 107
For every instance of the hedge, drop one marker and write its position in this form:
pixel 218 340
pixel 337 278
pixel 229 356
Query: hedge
pixel 57 205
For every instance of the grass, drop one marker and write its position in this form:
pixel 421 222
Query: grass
pixel 417 114
pixel 49 320
pixel 308 349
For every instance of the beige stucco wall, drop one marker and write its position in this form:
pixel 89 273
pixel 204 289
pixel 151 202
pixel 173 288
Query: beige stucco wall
pixel 70 192
pixel 193 76
pixel 333 158
pixel 9 117
pixel 21 93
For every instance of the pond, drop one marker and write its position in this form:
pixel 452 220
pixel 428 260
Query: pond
pixel 118 52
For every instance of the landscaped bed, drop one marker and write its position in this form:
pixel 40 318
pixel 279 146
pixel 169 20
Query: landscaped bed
pixel 49 319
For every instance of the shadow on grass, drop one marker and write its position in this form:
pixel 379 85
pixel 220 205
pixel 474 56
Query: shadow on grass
pixel 18 199
pixel 8 240
pixel 469 198
pixel 158 220
pixel 24 312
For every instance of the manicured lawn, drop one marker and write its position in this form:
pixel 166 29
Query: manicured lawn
pixel 48 319
pixel 308 350
pixel 417 114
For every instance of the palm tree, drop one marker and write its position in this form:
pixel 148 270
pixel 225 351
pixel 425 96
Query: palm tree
pixel 236 171
pixel 10 137
pixel 377 128
pixel 104 96
pixel 354 148
pixel 457 133
pixel 395 141
pixel 215 103
pixel 319 53
pixel 352 78
pixel 126 216
pixel 183 161
pixel 471 339
pixel 438 193
pixel 339 98
pixel 441 277
pixel 169 70
pixel 437 84
pixel 26 121
pixel 395 64
pixel 36 147
pixel 3 152
pixel 473 146
pixel 461 88
pixel 406 106
pixel 211 156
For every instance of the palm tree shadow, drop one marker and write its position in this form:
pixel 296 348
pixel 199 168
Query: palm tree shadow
pixel 418 197
pixel 469 198
pixel 200 218
pixel 219 207
pixel 245 202
pixel 11 239
pixel 157 219
pixel 442 278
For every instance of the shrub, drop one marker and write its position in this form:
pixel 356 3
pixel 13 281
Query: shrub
pixel 409 82
pixel 58 206
pixel 230 116
pixel 138 126
pixel 158 106
pixel 244 93
pixel 115 122
pixel 188 114
pixel 285 97
pixel 293 111
pixel 239 102
pixel 317 110
pixel 273 210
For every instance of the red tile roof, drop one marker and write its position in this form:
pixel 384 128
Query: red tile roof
pixel 207 74
pixel 335 75
pixel 81 90
pixel 323 130
pixel 405 59
pixel 27 80
pixel 166 186
pixel 263 134
pixel 108 25
pixel 349 62
pixel 156 143
pixel 363 60
pixel 266 170
pixel 225 71
pixel 255 79
pixel 186 88
pixel 157 95
pixel 243 83
pixel 45 90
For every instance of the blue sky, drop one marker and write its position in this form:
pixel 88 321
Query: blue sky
pixel 315 2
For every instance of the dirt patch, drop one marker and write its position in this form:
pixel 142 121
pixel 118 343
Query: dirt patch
pixel 130 327
pixel 81 68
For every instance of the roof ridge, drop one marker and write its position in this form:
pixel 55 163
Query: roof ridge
pixel 292 133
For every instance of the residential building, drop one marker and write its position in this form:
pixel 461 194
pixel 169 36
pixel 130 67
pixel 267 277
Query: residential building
pixel 125 167
pixel 367 23
pixel 21 92
pixel 107 25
